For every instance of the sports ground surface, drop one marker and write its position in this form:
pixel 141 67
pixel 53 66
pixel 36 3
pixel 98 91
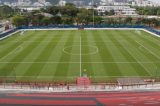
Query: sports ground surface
pixel 81 99
pixel 67 54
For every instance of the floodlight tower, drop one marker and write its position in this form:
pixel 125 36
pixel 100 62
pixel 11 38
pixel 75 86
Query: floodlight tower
pixel 93 11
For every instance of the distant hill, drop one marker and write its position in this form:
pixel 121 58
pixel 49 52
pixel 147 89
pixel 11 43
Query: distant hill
pixel 55 1
pixel 52 1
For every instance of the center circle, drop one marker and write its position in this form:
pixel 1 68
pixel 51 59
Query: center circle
pixel 80 50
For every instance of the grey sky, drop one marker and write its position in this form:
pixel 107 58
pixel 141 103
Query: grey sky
pixel 157 1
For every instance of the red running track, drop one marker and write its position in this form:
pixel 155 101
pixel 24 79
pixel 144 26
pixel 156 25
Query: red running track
pixel 46 102
pixel 83 98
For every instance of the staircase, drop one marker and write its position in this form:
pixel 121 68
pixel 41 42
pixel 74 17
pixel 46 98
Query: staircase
pixel 83 82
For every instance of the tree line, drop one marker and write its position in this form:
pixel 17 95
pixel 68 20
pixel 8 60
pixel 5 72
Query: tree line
pixel 68 14
pixel 71 15
pixel 148 10
pixel 151 22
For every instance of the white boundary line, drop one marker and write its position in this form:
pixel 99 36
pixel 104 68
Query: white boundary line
pixel 9 35
pixel 142 29
pixel 52 62
pixel 59 29
pixel 71 76
pixel 13 51
pixel 80 56
pixel 99 29
pixel 148 50
pixel 84 29
pixel 96 50
pixel 150 32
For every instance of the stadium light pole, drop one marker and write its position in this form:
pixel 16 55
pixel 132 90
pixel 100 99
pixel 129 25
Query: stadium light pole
pixel 93 11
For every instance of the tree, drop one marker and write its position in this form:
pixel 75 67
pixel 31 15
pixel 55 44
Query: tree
pixel 67 20
pixel 20 21
pixel 111 12
pixel 158 12
pixel 54 10
pixel 6 11
pixel 56 20
pixel 83 16
pixel 128 20
pixel 37 19
pixel 109 21
pixel 69 9
pixel 106 13
pixel 154 22
pixel 147 10
pixel 46 21
pixel 98 20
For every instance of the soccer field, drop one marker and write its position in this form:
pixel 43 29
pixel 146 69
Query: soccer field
pixel 66 54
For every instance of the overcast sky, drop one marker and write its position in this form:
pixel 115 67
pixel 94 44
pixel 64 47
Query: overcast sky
pixel 158 1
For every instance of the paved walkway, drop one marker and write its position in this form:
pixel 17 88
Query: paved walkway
pixel 13 88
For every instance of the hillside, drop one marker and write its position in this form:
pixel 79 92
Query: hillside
pixel 54 1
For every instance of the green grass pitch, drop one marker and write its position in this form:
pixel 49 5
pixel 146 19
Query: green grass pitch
pixel 64 55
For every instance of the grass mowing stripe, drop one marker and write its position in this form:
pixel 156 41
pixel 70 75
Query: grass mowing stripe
pixel 144 37
pixel 128 56
pixel 118 55
pixel 42 55
pixel 139 56
pixel 126 70
pixel 111 69
pixel 145 51
pixel 74 66
pixel 55 53
pixel 86 68
pixel 32 53
pixel 147 38
pixel 9 68
pixel 62 70
pixel 149 45
pixel 112 52
pixel 7 49
pixel 70 72
pixel 98 69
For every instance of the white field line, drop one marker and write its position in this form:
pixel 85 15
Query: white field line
pixel 96 50
pixel 113 28
pixel 80 57
pixel 51 29
pixel 124 29
pixel 37 76
pixel 151 33
pixel 61 41
pixel 9 35
pixel 85 29
pixel 81 62
pixel 148 50
pixel 14 50
pixel 71 76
